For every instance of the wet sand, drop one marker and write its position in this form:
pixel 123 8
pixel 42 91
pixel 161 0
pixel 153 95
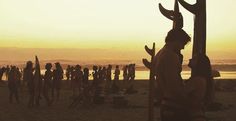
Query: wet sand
pixel 137 109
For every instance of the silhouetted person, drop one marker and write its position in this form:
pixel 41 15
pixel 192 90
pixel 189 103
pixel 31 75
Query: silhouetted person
pixel 103 74
pixel 29 77
pixel 95 76
pixel 86 76
pixel 72 76
pixel 77 79
pixel 131 72
pixel 115 87
pixel 99 74
pixel 12 84
pixel 19 76
pixel 2 70
pixel 125 73
pixel 170 83
pixel 48 76
pixel 7 71
pixel 95 82
pixel 24 81
pixel 80 77
pixel 68 74
pixel 199 87
pixel 57 79
pixel 108 77
pixel 131 76
pixel 117 73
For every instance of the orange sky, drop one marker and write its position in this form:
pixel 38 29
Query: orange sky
pixel 123 26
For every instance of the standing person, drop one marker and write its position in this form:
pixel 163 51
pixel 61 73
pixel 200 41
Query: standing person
pixel 19 77
pixel 7 71
pixel 125 73
pixel 199 87
pixel 117 73
pixel 95 76
pixel 103 75
pixel 2 70
pixel 108 77
pixel 80 78
pixel 131 76
pixel 131 73
pixel 72 75
pixel 73 80
pixel 57 79
pixel 29 78
pixel 47 82
pixel 168 75
pixel 86 77
pixel 12 84
pixel 115 87
pixel 77 80
pixel 99 75
pixel 68 75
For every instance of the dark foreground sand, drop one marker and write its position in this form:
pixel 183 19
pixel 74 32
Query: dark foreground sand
pixel 136 110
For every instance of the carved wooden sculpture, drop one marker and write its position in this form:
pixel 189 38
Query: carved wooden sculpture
pixel 199 39
pixel 199 10
pixel 173 15
pixel 150 66
pixel 37 81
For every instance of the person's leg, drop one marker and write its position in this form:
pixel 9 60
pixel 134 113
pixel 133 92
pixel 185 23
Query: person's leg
pixel 37 98
pixel 31 99
pixel 10 96
pixel 17 96
pixel 46 96
pixel 53 87
pixel 10 93
pixel 58 93
pixel 73 90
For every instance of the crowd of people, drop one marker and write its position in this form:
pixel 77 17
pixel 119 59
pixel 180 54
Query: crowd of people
pixel 179 100
pixel 49 84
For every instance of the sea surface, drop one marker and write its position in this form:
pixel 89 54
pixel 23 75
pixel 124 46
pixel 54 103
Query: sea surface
pixel 226 67
pixel 145 75
pixel 186 75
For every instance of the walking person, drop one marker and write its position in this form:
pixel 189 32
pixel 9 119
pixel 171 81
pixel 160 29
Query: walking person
pixel 57 79
pixel 13 84
pixel 29 78
pixel 48 76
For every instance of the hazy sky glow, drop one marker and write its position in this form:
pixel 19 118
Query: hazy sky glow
pixel 125 24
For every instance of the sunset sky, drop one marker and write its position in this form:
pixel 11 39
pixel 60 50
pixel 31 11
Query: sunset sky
pixel 125 25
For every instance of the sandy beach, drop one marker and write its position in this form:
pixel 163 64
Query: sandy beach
pixel 136 110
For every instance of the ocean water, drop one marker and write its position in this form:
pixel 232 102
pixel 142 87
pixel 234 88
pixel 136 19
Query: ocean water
pixel 144 74
pixel 186 75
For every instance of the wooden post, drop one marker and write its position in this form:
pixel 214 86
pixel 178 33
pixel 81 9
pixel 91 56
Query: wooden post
pixel 199 39
pixel 37 81
pixel 150 66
